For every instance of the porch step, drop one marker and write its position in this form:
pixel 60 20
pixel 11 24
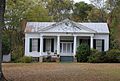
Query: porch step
pixel 66 58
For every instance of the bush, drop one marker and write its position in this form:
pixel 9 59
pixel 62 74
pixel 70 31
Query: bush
pixel 24 60
pixel 17 53
pixel 96 56
pixel 83 51
pixel 113 56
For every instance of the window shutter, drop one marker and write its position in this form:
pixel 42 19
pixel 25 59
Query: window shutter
pixel 38 45
pixel 102 45
pixel 89 43
pixel 94 43
pixel 44 45
pixel 80 41
pixel 30 46
pixel 52 45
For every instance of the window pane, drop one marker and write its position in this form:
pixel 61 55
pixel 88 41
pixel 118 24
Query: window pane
pixel 99 48
pixel 99 45
pixel 64 47
pixel 48 45
pixel 68 48
pixel 34 44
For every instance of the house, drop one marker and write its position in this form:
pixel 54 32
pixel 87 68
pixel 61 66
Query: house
pixel 64 37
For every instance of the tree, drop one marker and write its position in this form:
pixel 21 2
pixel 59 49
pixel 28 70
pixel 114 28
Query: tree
pixel 17 12
pixel 113 6
pixel 80 11
pixel 38 13
pixel 5 44
pixel 95 15
pixel 100 4
pixel 2 10
pixel 59 9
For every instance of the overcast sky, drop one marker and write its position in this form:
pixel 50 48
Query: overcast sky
pixel 87 1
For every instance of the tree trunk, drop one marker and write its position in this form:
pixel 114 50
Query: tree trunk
pixel 2 10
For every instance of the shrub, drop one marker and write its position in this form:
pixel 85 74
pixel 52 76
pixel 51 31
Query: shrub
pixel 96 56
pixel 17 53
pixel 113 56
pixel 83 51
pixel 24 60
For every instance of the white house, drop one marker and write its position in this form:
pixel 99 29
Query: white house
pixel 64 37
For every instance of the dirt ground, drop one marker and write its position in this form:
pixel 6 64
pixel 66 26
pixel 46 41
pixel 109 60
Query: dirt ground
pixel 61 72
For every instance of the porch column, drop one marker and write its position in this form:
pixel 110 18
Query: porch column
pixel 91 42
pixel 58 44
pixel 41 45
pixel 74 48
pixel 41 49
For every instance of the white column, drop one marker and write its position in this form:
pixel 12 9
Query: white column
pixel 41 45
pixel 58 44
pixel 27 47
pixel 74 48
pixel 91 42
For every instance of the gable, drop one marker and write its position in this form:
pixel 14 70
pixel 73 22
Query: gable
pixel 67 26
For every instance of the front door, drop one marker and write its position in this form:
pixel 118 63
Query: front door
pixel 66 47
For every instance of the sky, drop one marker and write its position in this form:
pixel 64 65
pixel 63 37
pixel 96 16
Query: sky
pixel 87 1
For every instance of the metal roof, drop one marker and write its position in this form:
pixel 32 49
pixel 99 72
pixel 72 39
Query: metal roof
pixel 35 26
pixel 99 27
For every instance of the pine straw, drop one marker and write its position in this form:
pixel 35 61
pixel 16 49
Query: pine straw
pixel 61 72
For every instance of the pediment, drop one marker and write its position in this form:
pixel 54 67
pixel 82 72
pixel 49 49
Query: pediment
pixel 67 26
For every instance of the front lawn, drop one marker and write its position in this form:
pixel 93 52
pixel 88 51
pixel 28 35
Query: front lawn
pixel 61 72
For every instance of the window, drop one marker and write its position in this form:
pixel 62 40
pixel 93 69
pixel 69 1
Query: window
pixel 48 45
pixel 99 45
pixel 66 47
pixel 34 44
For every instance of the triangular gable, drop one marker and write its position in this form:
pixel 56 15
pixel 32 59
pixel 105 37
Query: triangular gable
pixel 67 26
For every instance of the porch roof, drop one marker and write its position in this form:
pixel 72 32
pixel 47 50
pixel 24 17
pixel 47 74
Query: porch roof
pixel 42 26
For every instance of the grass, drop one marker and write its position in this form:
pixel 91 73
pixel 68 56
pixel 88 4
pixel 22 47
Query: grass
pixel 61 72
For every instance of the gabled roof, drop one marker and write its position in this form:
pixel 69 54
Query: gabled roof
pixel 66 26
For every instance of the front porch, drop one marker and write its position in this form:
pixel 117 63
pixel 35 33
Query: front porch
pixel 63 46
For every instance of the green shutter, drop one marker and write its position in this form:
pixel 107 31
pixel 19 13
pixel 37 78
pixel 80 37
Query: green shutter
pixel 89 43
pixel 102 45
pixel 44 45
pixel 52 45
pixel 80 41
pixel 30 45
pixel 94 43
pixel 38 45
